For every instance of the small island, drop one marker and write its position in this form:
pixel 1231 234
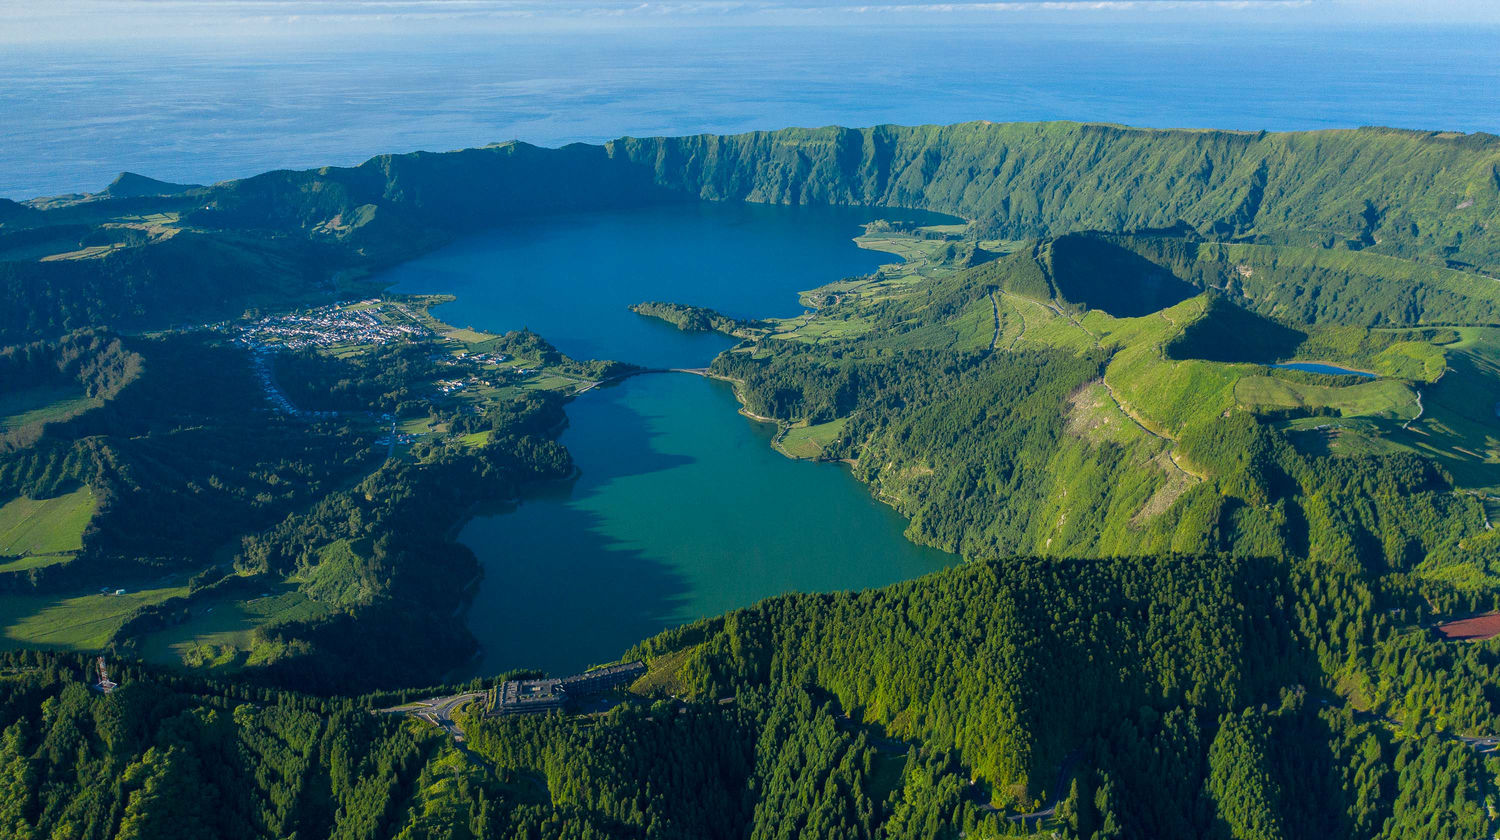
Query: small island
pixel 697 318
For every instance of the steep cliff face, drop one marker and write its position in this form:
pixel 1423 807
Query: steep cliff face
pixel 1400 192
pixel 1427 196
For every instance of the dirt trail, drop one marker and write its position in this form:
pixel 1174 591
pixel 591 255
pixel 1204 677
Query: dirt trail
pixel 995 342
pixel 1420 409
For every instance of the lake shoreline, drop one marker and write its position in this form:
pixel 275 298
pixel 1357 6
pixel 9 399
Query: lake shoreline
pixel 677 509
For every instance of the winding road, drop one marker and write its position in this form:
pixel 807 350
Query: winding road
pixel 437 711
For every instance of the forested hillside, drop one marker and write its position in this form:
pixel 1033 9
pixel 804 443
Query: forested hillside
pixel 106 259
pixel 1173 697
pixel 200 495
pixel 1400 192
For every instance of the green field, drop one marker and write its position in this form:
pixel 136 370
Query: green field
pixel 36 528
pixel 475 439
pixel 83 622
pixel 34 561
pixel 810 441
pixel 218 633
pixel 1460 422
pixel 46 404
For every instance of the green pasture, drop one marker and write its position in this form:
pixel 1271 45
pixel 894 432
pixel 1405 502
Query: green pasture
pixel 34 561
pixel 82 622
pixel 475 439
pixel 1381 398
pixel 1460 422
pixel 219 632
pixel 45 404
pixel 810 441
pixel 45 526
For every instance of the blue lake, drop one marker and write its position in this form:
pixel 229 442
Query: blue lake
pixel 1323 367
pixel 682 509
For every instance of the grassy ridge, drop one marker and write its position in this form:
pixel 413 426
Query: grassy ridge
pixel 289 235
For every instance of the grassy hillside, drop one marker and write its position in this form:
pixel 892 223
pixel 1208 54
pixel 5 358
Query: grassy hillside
pixel 45 526
pixel 1001 417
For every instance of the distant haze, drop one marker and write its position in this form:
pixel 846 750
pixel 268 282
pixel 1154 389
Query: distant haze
pixel 75 20
pixel 305 84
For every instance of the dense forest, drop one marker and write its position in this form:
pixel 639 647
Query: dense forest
pixel 189 440
pixel 1171 697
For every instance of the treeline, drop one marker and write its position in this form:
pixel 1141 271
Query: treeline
pixel 94 359
pixel 392 379
pixel 1013 664
pixel 191 277
pixel 167 756
pixel 88 363
pixel 175 757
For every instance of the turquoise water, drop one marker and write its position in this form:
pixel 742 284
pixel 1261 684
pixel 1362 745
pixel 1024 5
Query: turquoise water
pixel 682 509
pixel 1324 367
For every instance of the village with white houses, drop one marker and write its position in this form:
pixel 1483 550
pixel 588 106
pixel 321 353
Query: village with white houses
pixel 473 372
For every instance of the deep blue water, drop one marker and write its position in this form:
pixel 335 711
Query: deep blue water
pixel 1323 367
pixel 682 509
pixel 71 117
pixel 571 278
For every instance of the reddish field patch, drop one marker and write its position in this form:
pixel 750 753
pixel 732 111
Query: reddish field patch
pixel 1472 629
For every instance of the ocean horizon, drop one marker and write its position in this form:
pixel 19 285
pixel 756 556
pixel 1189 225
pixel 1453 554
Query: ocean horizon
pixel 204 111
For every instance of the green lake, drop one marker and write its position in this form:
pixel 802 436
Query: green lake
pixel 681 508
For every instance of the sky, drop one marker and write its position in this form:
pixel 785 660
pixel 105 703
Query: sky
pixel 74 21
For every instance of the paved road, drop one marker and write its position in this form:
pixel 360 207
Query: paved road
pixel 437 711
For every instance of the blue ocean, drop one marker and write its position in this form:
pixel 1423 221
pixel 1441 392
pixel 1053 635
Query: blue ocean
pixel 74 115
